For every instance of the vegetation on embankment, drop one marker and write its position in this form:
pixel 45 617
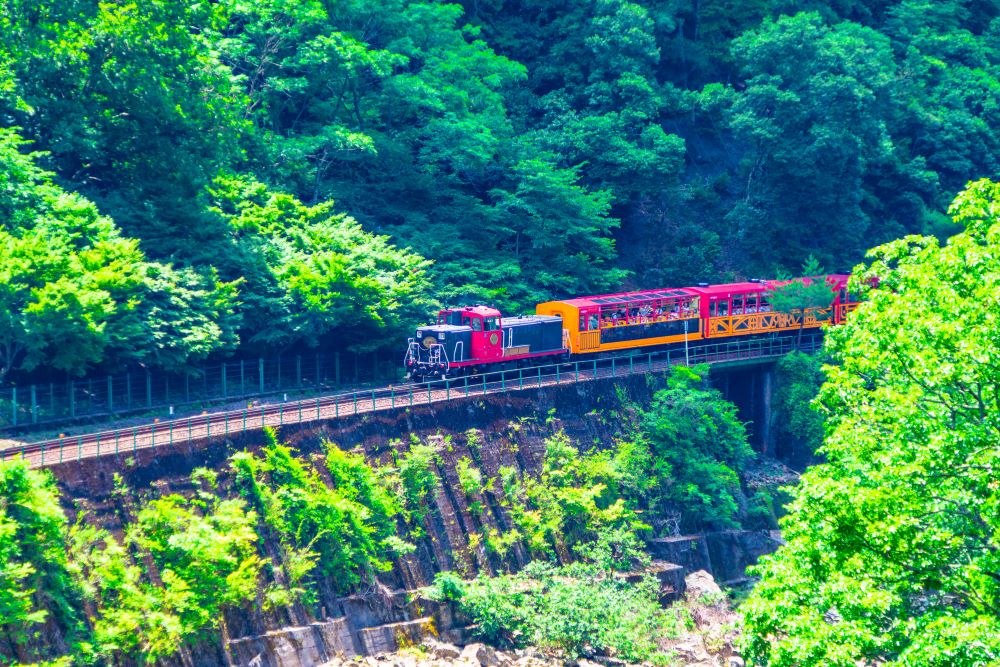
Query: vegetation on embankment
pixel 180 180
pixel 893 543
pixel 275 536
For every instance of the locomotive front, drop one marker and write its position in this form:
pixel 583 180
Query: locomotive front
pixel 434 349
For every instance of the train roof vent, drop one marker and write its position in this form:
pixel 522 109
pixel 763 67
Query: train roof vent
pixel 702 284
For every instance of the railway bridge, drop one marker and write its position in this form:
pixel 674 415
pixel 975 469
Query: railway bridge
pixel 224 425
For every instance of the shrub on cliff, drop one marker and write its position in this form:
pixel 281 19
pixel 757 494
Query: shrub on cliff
pixel 686 456
pixel 35 585
pixel 574 610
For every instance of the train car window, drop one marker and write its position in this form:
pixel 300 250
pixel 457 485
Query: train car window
pixel 765 306
pixel 751 303
pixel 476 323
pixel 738 304
pixel 723 308
pixel 492 324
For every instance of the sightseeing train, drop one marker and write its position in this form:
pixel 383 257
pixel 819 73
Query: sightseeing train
pixel 476 339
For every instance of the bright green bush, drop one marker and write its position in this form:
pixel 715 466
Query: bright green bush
pixel 35 583
pixel 204 550
pixel 571 610
pixel 305 513
pixel 697 446
pixel 418 480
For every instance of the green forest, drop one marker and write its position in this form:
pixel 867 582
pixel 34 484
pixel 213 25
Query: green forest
pixel 183 181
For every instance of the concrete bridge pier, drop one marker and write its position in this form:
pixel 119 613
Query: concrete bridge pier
pixel 751 388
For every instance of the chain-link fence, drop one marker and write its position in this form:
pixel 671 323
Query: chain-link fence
pixel 25 406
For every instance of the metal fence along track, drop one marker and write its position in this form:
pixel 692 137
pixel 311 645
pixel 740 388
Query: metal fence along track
pixel 223 424
pixel 49 403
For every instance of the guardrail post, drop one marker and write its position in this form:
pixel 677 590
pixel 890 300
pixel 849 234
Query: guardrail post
pixel 576 365
pixel 539 376
pixel 336 409
pixel 152 436
pixel 171 434
pixel 245 421
pixel 79 448
pixel 300 412
pixel 226 423
pixel 117 434
pixel 135 439
pixel 373 400
pixel 520 378
pixel 428 393
pixel 612 366
pixel 447 389
pixel 411 395
pixel 484 384
pixel 649 360
pixel 317 408
pixel 595 368
pixel 260 373
pixel 190 430
pixel 281 414
pixel 355 402
pixel 466 386
pixel 503 382
pixel 98 444
pixel 557 373
pixel 208 427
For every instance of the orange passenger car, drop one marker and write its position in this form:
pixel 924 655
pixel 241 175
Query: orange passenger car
pixel 631 319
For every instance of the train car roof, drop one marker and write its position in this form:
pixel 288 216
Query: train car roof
pixel 623 298
pixel 732 288
pixel 835 280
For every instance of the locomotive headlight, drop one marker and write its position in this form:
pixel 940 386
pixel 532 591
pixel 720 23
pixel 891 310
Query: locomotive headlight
pixel 428 341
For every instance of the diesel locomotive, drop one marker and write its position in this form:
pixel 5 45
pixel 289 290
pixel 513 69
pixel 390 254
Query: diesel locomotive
pixel 475 339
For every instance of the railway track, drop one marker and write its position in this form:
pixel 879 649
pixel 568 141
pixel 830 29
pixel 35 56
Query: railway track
pixel 220 425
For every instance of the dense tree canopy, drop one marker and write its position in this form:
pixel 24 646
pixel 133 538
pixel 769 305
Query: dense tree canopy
pixel 528 150
pixel 892 551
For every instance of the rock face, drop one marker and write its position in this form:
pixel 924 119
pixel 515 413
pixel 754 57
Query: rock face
pixel 496 431
pixel 712 642
pixel 295 647
pixel 427 641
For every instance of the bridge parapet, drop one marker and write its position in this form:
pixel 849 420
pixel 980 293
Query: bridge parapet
pixel 221 425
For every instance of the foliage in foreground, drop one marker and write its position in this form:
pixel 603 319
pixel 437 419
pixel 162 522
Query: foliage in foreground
pixel 893 550
pixel 574 610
